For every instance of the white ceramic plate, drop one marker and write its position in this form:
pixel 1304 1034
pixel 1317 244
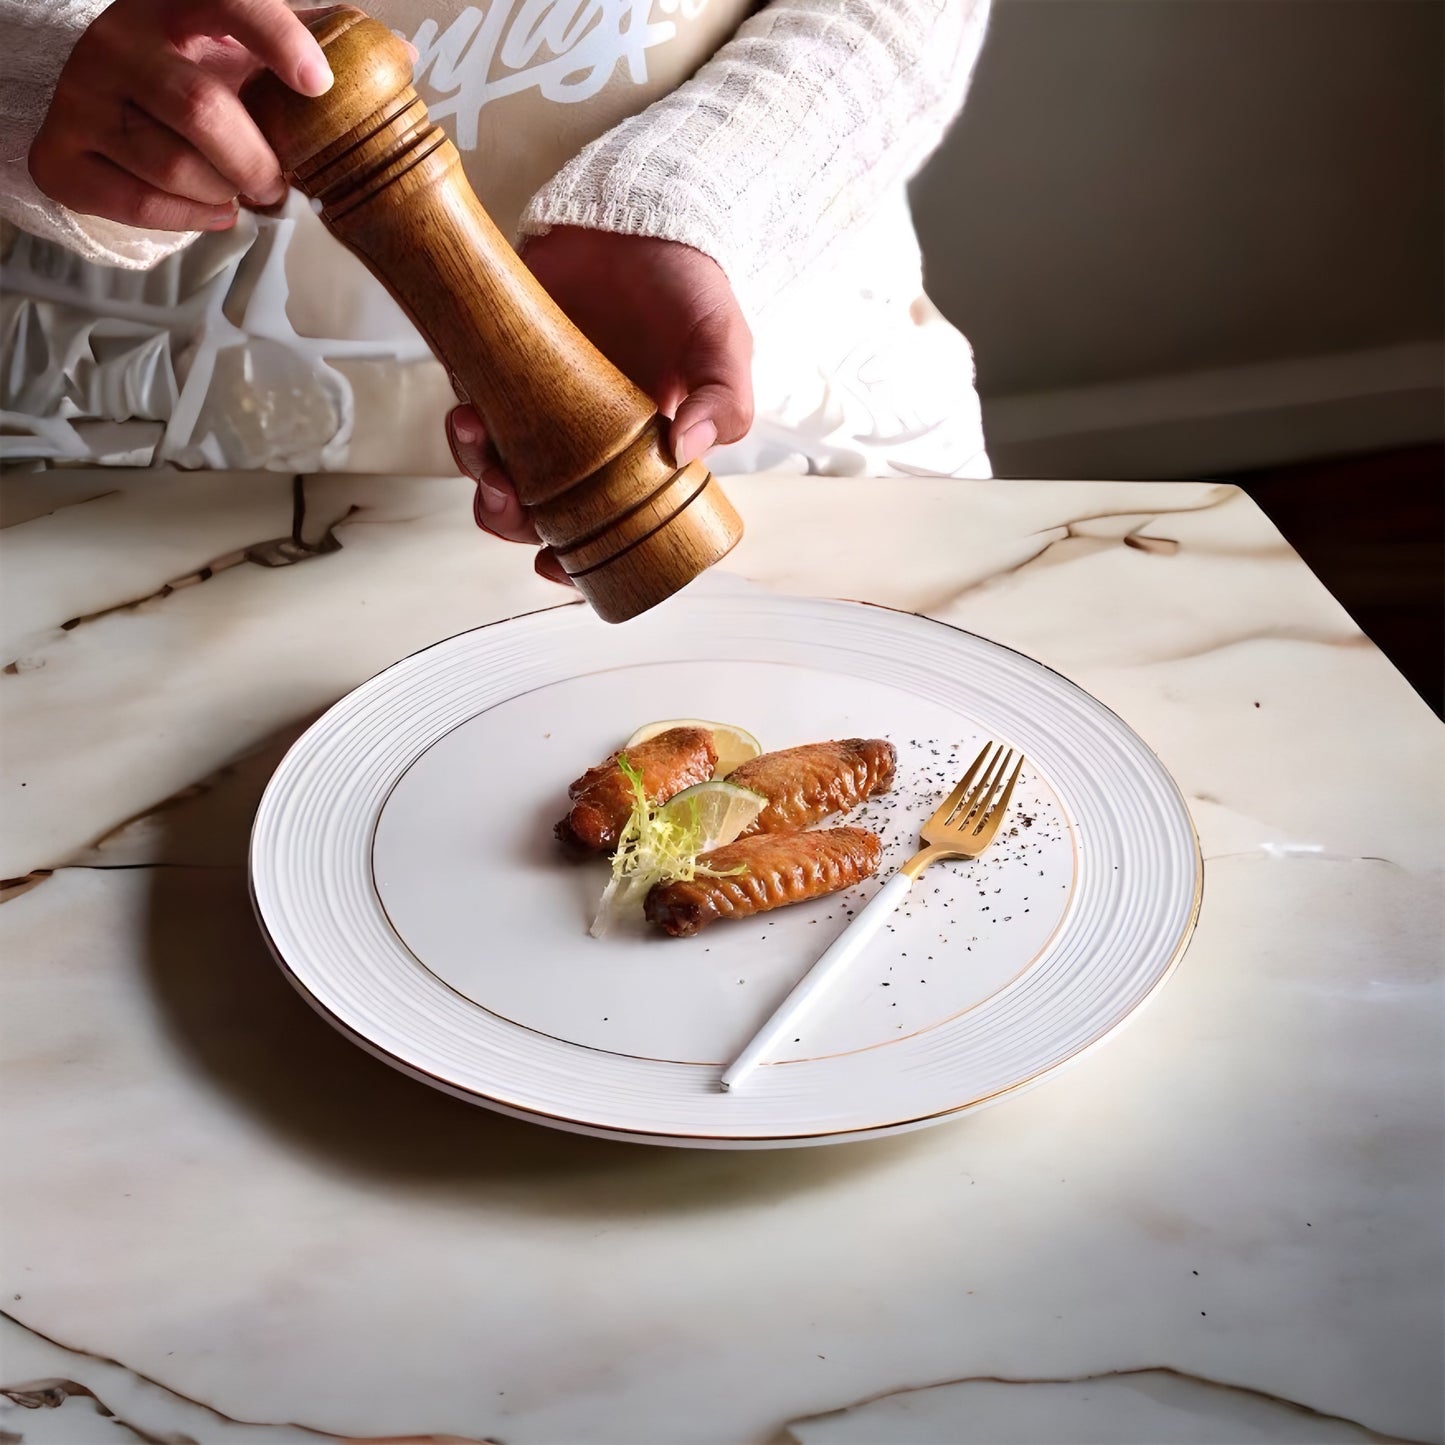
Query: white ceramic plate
pixel 403 867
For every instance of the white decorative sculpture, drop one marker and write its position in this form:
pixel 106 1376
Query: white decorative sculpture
pixel 220 358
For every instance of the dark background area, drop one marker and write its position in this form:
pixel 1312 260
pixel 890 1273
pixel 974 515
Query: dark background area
pixel 1206 238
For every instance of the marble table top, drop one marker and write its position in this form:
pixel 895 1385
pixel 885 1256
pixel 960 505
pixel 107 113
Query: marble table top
pixel 224 1223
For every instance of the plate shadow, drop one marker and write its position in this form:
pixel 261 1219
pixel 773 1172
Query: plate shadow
pixel 241 1026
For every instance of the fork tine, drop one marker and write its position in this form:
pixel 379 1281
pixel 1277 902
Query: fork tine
pixel 969 804
pixel 944 811
pixel 978 800
pixel 994 816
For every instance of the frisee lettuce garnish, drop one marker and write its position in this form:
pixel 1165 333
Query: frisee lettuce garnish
pixel 658 844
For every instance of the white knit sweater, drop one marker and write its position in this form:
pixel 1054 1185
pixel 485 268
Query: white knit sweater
pixel 795 130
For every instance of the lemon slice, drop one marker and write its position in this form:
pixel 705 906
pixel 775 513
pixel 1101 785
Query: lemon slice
pixel 734 745
pixel 723 811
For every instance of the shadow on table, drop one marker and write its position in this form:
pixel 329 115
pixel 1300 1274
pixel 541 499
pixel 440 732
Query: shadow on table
pixel 245 1031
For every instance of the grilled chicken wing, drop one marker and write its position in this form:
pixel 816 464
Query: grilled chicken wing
pixel 805 784
pixel 602 796
pixel 781 869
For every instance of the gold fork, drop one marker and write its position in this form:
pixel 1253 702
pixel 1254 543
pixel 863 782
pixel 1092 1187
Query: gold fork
pixel 968 819
pixel 965 823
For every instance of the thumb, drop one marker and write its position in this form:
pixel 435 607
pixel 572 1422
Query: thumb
pixel 718 406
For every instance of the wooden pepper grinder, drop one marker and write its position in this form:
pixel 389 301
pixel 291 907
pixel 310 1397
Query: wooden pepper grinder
pixel 586 448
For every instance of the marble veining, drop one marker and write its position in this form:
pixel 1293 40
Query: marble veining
pixel 227 1223
pixel 1158 1405
pixel 119 1397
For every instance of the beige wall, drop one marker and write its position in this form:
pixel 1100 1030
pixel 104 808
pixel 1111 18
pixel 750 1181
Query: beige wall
pixel 1187 236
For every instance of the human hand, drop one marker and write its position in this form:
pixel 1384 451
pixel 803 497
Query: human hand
pixel 662 313
pixel 146 126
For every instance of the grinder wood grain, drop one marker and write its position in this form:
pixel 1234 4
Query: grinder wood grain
pixel 585 447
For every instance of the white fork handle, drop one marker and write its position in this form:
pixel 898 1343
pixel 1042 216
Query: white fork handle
pixel 844 949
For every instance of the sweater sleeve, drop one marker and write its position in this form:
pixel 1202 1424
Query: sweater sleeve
pixel 36 38
pixel 783 141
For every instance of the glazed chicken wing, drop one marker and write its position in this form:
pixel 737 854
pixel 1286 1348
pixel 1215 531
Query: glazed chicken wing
pixel 781 869
pixel 602 796
pixel 805 784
